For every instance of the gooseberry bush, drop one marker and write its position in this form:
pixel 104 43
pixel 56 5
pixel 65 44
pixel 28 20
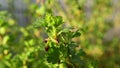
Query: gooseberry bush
pixel 59 46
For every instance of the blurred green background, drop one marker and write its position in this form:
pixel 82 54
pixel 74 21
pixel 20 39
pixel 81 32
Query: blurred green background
pixel 98 19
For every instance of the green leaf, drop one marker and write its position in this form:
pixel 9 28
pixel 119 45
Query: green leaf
pixel 53 55
pixel 41 10
pixel 5 39
pixel 58 20
pixel 76 34
pixel 2 30
pixel 39 22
